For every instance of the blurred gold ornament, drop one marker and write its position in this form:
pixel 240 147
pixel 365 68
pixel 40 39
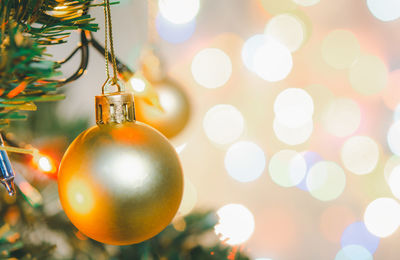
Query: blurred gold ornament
pixel 172 114
pixel 120 182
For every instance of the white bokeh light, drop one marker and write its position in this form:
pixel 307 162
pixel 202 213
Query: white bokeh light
pixel 326 180
pixel 223 124
pixel 382 217
pixel 287 29
pixel 393 138
pixel 341 117
pixel 384 10
pixel 179 11
pixel 294 107
pixel 211 68
pixel 272 61
pixel 137 84
pixel 360 154
pixel 354 252
pixel 306 2
pixel 394 181
pixel 293 136
pixel 249 48
pixel 287 168
pixel 245 161
pixel 45 164
pixel 235 225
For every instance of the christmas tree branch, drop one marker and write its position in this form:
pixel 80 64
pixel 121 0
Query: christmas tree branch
pixel 26 28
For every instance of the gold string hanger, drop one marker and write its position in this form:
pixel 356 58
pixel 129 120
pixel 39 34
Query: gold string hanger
pixel 109 37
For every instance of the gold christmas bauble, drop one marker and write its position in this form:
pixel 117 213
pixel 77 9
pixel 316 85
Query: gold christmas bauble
pixel 120 183
pixel 172 115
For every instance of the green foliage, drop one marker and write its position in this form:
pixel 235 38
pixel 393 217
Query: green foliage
pixel 19 238
pixel 26 28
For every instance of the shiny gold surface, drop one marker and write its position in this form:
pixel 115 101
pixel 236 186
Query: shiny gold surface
pixel 120 183
pixel 175 112
pixel 115 107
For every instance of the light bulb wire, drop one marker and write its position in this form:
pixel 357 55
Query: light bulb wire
pixel 109 39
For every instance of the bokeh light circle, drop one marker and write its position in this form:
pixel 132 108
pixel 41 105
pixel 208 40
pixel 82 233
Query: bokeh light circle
pixel 326 180
pixel 249 48
pixel 310 158
pixel 384 10
pixel 287 29
pixel 137 84
pixel 393 138
pixel 179 11
pixel 306 2
pixel 294 107
pixel 368 75
pixel 360 154
pixel 211 68
pixel 223 124
pixel 390 164
pixel 293 136
pixel 245 161
pixel 382 217
pixel 235 225
pixel 340 49
pixel 287 168
pixel 277 7
pixel 358 234
pixel 272 61
pixel 394 181
pixel 354 252
pixel 341 117
pixel 174 33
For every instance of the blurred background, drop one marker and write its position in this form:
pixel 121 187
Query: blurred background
pixel 291 130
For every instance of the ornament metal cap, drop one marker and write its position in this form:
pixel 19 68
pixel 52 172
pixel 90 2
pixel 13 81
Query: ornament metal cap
pixel 117 108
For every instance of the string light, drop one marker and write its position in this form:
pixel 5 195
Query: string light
pixel 44 163
pixel 235 225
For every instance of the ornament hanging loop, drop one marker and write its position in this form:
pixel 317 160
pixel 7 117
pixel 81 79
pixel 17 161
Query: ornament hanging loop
pixel 109 38
pixel 111 82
